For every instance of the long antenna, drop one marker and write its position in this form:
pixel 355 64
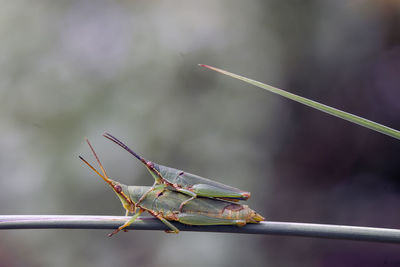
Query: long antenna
pixel 98 160
pixel 93 168
pixel 104 176
pixel 148 164
pixel 118 142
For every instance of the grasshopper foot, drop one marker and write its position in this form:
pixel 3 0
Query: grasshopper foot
pixel 113 232
pixel 172 231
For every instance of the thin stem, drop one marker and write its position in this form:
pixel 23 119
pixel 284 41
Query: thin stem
pixel 144 223
pixel 324 108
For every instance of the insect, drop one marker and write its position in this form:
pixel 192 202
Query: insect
pixel 164 204
pixel 184 182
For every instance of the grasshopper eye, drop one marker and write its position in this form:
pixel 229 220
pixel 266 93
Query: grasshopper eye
pixel 150 164
pixel 118 188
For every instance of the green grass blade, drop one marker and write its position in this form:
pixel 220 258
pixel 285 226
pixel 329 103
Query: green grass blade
pixel 327 109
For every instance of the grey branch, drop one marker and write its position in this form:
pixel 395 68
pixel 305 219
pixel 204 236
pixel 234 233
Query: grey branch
pixel 145 223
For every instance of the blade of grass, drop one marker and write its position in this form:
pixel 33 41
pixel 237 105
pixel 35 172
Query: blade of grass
pixel 324 108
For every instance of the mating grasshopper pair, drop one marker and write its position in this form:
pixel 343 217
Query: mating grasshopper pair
pixel 174 197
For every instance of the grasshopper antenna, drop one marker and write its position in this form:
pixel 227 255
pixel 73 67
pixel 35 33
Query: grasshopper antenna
pixel 98 161
pixel 104 176
pixel 93 168
pixel 148 164
pixel 118 142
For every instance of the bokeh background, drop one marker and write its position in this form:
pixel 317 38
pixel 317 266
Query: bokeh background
pixel 70 69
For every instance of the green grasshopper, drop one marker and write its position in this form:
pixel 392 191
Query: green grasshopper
pixel 184 182
pixel 164 204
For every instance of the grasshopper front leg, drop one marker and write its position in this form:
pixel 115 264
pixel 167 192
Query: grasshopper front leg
pixel 134 217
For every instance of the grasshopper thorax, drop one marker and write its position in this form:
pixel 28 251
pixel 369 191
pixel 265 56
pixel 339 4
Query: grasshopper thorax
pixel 135 193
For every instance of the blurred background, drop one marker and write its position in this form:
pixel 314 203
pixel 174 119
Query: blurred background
pixel 70 69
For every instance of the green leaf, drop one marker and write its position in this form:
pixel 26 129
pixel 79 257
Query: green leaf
pixel 324 108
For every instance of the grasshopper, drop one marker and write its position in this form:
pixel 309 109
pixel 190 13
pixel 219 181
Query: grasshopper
pixel 184 182
pixel 164 204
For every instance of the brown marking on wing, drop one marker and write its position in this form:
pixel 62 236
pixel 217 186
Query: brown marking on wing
pixel 233 208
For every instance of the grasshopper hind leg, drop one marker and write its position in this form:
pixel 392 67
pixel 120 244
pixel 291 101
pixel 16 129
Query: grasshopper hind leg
pixel 172 228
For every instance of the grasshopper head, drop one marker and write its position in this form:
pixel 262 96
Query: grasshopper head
pixel 120 190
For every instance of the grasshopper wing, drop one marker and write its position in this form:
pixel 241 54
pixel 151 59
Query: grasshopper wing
pixel 199 185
